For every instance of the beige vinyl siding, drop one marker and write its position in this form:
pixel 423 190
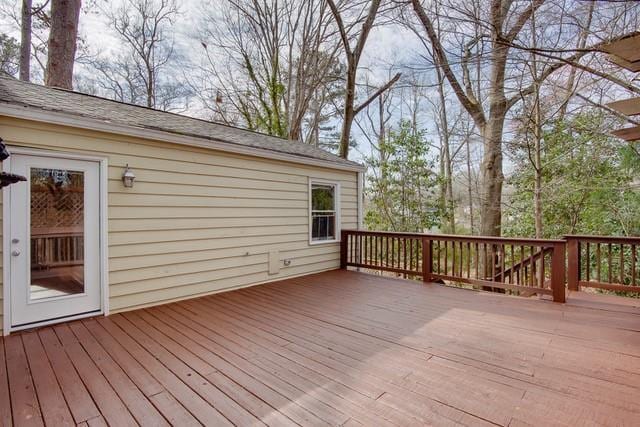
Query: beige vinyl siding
pixel 196 221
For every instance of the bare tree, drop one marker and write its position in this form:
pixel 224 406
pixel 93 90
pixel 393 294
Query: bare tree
pixel 135 74
pixel 270 65
pixel 63 38
pixel 353 54
pixel 501 23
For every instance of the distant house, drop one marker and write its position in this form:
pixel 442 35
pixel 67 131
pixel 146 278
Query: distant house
pixel 127 206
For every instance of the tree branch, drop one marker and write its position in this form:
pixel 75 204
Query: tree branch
pixel 522 19
pixel 472 108
pixel 377 93
pixel 343 33
pixel 608 110
pixel 366 28
pixel 572 61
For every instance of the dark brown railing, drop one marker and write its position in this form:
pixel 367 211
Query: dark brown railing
pixel 525 266
pixel 610 263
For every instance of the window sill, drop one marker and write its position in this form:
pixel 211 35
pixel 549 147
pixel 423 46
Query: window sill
pixel 323 242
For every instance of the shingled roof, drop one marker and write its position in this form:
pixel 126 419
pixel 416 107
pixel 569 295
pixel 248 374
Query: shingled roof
pixel 16 92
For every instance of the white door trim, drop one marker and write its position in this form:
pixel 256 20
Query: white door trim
pixel 6 232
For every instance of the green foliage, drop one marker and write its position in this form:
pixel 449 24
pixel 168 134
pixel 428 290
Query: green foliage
pixel 589 183
pixel 9 55
pixel 401 183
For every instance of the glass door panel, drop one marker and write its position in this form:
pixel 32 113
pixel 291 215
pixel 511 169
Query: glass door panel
pixel 57 233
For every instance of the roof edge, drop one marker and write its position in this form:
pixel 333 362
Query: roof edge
pixel 81 122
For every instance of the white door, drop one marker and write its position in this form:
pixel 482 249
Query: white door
pixel 55 239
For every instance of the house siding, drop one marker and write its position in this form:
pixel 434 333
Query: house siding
pixel 197 221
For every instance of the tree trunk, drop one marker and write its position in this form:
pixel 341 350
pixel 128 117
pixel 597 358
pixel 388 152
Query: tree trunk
pixel 25 41
pixel 492 178
pixel 447 183
pixel 469 186
pixel 492 131
pixel 537 182
pixel 537 138
pixel 349 110
pixel 62 43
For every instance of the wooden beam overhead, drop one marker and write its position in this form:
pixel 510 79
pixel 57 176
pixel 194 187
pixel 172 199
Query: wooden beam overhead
pixel 628 134
pixel 629 107
pixel 627 48
pixel 631 66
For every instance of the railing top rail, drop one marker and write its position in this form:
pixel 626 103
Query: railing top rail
pixel 455 237
pixel 604 239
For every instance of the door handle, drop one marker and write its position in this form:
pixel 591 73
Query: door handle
pixel 15 252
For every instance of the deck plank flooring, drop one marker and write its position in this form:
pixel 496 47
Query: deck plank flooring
pixel 336 348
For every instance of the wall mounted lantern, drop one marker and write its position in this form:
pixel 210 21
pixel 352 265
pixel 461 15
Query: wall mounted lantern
pixel 5 177
pixel 128 177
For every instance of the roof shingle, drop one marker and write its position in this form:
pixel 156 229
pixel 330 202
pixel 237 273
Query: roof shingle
pixel 16 92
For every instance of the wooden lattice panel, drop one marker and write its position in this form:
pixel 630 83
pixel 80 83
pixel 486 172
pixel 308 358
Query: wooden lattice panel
pixel 50 209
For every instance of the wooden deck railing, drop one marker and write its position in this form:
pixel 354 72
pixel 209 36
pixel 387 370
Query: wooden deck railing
pixel 611 263
pixel 57 250
pixel 526 266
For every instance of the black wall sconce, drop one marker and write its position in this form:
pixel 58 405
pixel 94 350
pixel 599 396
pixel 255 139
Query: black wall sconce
pixel 7 178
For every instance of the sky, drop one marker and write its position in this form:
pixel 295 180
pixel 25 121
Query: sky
pixel 389 44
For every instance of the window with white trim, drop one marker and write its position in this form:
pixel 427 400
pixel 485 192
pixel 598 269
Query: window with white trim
pixel 324 212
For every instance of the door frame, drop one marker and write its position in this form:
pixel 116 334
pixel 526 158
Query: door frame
pixel 102 234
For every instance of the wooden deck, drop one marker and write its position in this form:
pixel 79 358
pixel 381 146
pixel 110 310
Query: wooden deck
pixel 337 348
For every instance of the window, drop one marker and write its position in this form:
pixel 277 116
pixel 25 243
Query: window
pixel 324 212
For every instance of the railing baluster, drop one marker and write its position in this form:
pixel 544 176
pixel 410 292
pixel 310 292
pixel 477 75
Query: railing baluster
pixel 477 255
pixel 633 265
pixel 462 258
pixel 453 258
pixel 502 263
pixel 588 263
pixel 610 261
pixel 404 253
pixel 621 263
pixel 522 279
pixel 533 268
pixel 542 253
pixel 446 257
pixel 598 262
pixel 468 260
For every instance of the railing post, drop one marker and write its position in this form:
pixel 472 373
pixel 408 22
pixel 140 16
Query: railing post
pixel 573 263
pixel 558 271
pixel 344 237
pixel 427 259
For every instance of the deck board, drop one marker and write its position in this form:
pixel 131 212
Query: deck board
pixel 336 348
pixel 52 403
pixel 5 404
pixel 24 401
pixel 76 395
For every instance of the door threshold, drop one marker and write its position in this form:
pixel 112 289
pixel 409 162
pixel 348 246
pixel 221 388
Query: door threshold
pixel 35 325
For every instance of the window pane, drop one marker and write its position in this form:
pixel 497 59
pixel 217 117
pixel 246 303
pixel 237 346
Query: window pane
pixel 322 197
pixel 323 226
pixel 57 233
